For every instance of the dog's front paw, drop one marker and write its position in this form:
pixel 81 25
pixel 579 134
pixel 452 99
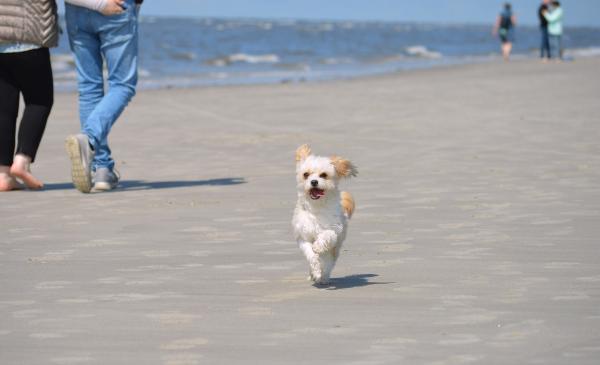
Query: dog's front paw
pixel 315 269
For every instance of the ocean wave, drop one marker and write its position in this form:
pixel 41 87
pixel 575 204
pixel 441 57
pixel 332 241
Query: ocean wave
pixel 386 59
pixel 294 67
pixel 336 60
pixel 422 52
pixel 243 58
pixel 583 52
pixel 183 56
pixel 64 75
pixel 62 62
pixel 265 25
pixel 148 19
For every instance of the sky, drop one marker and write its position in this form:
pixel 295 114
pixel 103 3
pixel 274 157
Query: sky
pixel 577 12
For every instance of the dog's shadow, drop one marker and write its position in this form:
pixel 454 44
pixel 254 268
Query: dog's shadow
pixel 352 281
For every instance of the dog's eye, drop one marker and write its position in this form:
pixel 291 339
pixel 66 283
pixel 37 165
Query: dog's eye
pixel 323 176
pixel 306 175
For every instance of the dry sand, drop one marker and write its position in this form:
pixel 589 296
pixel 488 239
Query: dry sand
pixel 476 237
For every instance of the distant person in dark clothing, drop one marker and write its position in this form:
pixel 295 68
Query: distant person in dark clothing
pixel 505 28
pixel 545 45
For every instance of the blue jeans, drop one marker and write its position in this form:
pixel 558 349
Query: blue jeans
pixel 555 46
pixel 545 45
pixel 93 38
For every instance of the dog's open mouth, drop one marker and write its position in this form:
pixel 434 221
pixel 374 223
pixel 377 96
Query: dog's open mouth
pixel 316 193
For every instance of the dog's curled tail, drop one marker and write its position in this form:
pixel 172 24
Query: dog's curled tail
pixel 347 203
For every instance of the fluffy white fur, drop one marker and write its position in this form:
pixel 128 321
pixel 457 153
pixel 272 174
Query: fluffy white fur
pixel 322 212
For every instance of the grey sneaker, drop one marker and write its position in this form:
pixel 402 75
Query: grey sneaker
pixel 105 179
pixel 82 155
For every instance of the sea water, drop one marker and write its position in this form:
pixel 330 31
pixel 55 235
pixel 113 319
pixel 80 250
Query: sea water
pixel 186 52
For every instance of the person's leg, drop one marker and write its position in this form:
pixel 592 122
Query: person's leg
pixel 34 77
pixel 554 46
pixel 119 45
pixel 85 45
pixel 35 81
pixel 560 47
pixel 544 44
pixel 547 42
pixel 9 108
pixel 506 49
pixel 541 42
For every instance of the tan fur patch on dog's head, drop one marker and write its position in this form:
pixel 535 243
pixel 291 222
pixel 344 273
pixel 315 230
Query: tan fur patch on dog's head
pixel 343 167
pixel 302 152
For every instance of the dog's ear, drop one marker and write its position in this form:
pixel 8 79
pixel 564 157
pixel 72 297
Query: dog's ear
pixel 343 167
pixel 302 153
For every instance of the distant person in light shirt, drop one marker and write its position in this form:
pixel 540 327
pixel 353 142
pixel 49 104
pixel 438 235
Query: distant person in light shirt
pixel 554 16
pixel 505 29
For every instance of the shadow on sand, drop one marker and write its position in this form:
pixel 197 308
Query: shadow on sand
pixel 132 185
pixel 352 281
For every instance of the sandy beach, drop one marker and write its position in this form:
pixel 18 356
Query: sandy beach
pixel 475 240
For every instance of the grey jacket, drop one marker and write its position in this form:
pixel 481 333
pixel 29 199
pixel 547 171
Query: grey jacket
pixel 29 21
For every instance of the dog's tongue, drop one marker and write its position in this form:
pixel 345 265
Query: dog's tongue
pixel 316 193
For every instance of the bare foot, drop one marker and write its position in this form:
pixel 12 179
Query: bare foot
pixel 20 169
pixel 7 182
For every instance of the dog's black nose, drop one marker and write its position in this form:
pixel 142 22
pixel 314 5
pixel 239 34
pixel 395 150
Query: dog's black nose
pixel 314 183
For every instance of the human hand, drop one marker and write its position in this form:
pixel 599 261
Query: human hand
pixel 113 7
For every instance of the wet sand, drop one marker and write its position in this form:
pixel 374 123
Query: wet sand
pixel 475 240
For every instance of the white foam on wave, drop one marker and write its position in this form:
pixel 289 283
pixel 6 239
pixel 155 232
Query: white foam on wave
pixel 62 62
pixel 336 60
pixel 266 58
pixel 326 27
pixel 583 52
pixel 422 52
pixel 244 58
pixel 64 75
pixel 266 25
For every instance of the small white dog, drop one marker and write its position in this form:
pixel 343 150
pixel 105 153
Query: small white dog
pixel 322 212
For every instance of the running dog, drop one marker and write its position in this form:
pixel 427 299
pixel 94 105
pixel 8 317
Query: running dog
pixel 322 212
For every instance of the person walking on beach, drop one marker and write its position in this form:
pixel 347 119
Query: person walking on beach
pixel 554 16
pixel 29 28
pixel 545 41
pixel 505 28
pixel 94 38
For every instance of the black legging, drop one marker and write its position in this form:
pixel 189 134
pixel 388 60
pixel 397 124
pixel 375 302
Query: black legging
pixel 28 73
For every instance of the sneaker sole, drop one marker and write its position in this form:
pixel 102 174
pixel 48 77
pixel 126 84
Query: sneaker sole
pixel 103 186
pixel 81 179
